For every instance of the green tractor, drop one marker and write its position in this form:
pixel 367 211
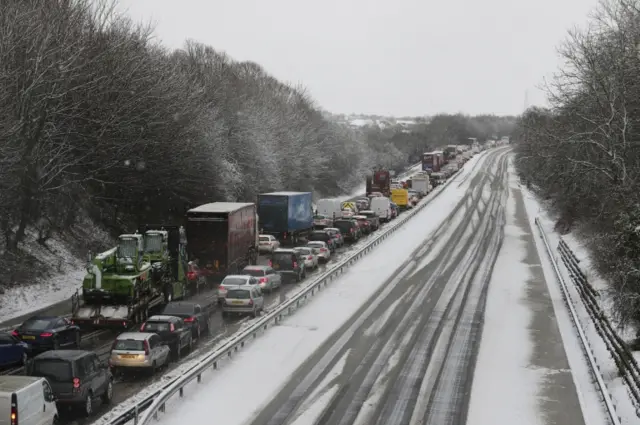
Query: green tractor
pixel 119 275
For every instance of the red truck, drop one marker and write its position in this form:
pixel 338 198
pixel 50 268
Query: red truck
pixel 222 237
pixel 379 181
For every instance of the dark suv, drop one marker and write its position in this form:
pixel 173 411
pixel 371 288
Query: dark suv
pixel 289 264
pixel 172 331
pixel 372 218
pixel 322 236
pixel 349 229
pixel 77 377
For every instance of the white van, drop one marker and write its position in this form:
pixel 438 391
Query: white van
pixel 382 207
pixel 329 208
pixel 26 400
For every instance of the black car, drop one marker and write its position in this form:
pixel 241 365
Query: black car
pixel 289 264
pixel 350 230
pixel 44 333
pixel 172 331
pixel 322 236
pixel 195 316
pixel 372 218
pixel 77 377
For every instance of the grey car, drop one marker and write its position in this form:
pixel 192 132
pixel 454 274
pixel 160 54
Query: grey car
pixel 268 279
pixel 243 300
pixel 233 281
pixel 138 350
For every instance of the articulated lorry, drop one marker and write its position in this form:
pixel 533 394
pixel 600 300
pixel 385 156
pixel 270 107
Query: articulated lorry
pixel 286 215
pixel 123 284
pixel 432 161
pixel 222 238
pixel 379 181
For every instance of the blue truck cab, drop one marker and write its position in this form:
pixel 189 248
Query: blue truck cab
pixel 286 215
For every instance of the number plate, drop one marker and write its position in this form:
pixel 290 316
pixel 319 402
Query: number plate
pixel 28 337
pixel 128 356
pixel 237 302
pixel 276 266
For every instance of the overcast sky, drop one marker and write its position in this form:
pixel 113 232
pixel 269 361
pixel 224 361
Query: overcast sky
pixel 402 57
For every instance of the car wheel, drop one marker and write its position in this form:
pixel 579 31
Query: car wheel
pixel 108 392
pixel 198 332
pixel 23 360
pixel 255 312
pixel 304 273
pixel 56 421
pixel 154 367
pixel 78 339
pixel 88 406
pixel 56 343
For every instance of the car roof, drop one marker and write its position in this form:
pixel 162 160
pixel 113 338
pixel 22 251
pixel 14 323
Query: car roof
pixel 256 267
pixel 331 228
pixel 283 250
pixel 302 247
pixel 63 355
pixel 137 336
pixel 316 242
pixel 13 383
pixel 241 276
pixel 162 318
pixel 368 211
pixel 42 318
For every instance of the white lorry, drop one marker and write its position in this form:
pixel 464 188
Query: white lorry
pixel 421 184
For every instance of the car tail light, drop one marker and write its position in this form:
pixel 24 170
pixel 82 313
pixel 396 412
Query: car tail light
pixel 263 280
pixel 172 327
pixel 221 287
pixel 192 275
pixel 76 384
pixel 351 230
pixel 142 327
pixel 270 263
pixel 295 264
pixel 310 258
pixel 368 223
pixel 14 409
pixel 189 319
pixel 323 249
pixel 14 333
pixel 46 334
pixel 146 347
pixel 250 302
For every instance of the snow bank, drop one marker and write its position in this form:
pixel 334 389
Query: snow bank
pixel 274 357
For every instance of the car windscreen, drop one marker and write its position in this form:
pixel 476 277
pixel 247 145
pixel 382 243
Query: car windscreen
pixel 282 256
pixel 129 345
pixel 238 294
pixel 304 251
pixel 230 281
pixel 156 327
pixel 264 239
pixel 315 245
pixel 253 272
pixel 319 237
pixel 58 370
pixel 37 324
pixel 344 226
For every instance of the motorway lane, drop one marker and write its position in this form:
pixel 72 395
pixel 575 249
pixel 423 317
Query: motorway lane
pixel 220 329
pixel 411 355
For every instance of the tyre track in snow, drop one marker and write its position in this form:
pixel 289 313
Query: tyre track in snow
pixel 407 357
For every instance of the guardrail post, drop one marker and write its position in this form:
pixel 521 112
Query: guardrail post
pixel 199 378
pixel 215 365
pixel 162 408
pixel 181 391
pixel 135 415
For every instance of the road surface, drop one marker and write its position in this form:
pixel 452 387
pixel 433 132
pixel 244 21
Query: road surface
pixel 411 361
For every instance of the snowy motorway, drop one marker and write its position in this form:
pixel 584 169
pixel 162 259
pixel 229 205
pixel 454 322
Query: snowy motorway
pixel 395 341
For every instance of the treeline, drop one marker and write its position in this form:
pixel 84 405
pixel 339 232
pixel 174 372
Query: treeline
pixel 583 155
pixel 396 146
pixel 97 119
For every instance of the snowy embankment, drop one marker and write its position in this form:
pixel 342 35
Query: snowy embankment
pixel 282 349
pixel 59 270
pixel 608 369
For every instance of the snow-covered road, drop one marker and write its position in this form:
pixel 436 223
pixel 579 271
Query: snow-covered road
pixel 394 341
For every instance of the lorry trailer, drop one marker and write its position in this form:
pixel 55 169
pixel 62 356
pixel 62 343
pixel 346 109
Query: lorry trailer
pixel 286 215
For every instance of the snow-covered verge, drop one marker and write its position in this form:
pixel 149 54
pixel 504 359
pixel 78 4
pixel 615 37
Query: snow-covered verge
pixel 274 356
pixel 616 387
pixel 57 268
pixel 508 385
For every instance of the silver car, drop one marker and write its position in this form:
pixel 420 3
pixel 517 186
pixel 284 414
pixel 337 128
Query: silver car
pixel 267 243
pixel 138 350
pixel 243 300
pixel 324 254
pixel 234 281
pixel 268 279
pixel 309 256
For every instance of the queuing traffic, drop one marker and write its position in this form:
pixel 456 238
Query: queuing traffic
pixel 142 288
